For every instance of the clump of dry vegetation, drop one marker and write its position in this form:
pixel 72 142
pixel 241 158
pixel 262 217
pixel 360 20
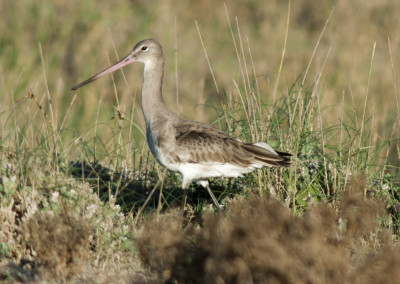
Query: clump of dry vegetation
pixel 59 242
pixel 263 241
pixel 55 227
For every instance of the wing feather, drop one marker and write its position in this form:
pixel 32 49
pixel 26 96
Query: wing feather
pixel 200 143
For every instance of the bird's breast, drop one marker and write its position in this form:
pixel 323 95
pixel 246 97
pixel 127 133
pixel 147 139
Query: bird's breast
pixel 153 143
pixel 159 146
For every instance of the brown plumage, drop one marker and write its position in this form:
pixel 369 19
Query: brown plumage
pixel 205 143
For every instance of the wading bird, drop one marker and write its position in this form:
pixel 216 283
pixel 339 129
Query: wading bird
pixel 196 150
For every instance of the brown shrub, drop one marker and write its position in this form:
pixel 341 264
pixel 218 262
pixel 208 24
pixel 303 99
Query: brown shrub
pixel 264 242
pixel 379 267
pixel 273 245
pixel 59 243
pixel 358 211
pixel 162 244
pixel 259 241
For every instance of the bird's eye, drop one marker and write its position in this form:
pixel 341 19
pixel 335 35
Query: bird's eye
pixel 144 47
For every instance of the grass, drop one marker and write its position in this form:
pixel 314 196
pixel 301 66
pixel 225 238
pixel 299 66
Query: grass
pixel 82 199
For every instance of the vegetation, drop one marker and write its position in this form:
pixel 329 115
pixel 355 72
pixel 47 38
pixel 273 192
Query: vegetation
pixel 82 200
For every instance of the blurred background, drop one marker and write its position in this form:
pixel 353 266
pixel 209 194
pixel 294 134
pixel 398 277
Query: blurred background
pixel 49 46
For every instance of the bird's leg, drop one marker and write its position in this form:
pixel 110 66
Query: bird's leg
pixel 183 204
pixel 205 184
pixel 185 188
pixel 213 198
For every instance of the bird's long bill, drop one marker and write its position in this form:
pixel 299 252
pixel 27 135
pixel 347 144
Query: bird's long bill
pixel 123 62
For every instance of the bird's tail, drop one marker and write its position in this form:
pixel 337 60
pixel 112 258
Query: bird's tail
pixel 268 156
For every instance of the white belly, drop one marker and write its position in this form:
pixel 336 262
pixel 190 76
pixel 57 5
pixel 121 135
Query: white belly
pixel 205 171
pixel 202 171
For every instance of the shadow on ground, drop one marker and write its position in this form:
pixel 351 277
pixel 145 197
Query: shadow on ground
pixel 145 190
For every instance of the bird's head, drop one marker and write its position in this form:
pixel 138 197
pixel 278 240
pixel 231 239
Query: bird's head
pixel 146 51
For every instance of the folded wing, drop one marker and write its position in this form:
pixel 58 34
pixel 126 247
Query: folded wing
pixel 200 143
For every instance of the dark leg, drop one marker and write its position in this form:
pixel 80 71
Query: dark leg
pixel 185 187
pixel 183 204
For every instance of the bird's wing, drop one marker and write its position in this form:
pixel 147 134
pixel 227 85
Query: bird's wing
pixel 200 143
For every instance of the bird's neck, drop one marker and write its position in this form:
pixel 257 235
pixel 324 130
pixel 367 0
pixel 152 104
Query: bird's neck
pixel 153 105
